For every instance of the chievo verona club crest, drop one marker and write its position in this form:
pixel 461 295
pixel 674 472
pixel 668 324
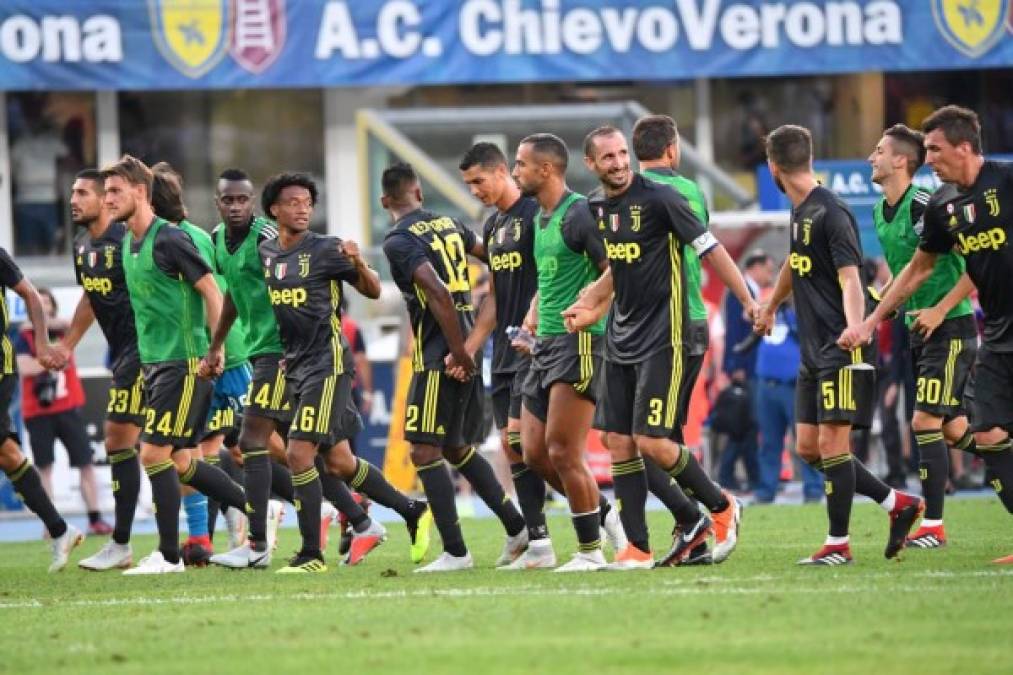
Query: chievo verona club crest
pixel 972 27
pixel 191 34
pixel 258 33
pixel 194 35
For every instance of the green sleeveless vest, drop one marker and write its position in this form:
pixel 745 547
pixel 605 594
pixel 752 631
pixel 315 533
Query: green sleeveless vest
pixel 899 241
pixel 561 272
pixel 691 261
pixel 236 346
pixel 244 274
pixel 168 313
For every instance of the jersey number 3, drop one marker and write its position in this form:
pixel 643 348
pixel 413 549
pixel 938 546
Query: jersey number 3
pixel 455 262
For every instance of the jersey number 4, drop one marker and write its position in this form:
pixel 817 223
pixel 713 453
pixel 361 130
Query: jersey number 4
pixel 455 262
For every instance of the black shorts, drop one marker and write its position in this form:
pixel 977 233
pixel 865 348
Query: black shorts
pixel 573 359
pixel 941 369
pixel 507 393
pixel 693 355
pixel 444 412
pixel 641 398
pixel 268 395
pixel 225 414
pixel 126 395
pixel 992 403
pixel 176 403
pixel 68 426
pixel 845 394
pixel 8 385
pixel 323 410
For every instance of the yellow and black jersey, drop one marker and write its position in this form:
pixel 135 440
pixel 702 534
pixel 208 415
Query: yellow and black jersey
pixel 977 224
pixel 823 239
pixel 98 266
pixel 424 237
pixel 10 276
pixel 304 284
pixel 643 231
pixel 509 242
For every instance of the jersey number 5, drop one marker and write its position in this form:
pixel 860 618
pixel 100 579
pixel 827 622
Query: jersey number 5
pixel 455 262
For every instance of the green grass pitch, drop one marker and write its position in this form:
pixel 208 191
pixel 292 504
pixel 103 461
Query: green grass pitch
pixel 937 611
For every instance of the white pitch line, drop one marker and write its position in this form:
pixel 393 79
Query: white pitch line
pixel 697 586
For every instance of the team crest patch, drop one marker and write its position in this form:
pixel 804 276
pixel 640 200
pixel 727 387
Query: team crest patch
pixel 500 235
pixel 614 221
pixel 517 229
pixel 969 213
pixel 304 264
pixel 192 35
pixel 92 258
pixel 972 27
pixel 279 270
pixel 110 252
pixel 258 33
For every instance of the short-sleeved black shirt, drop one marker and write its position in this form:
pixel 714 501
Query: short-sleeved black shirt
pixel 823 239
pixel 418 238
pixel 10 276
pixel 175 254
pixel 978 224
pixel 305 286
pixel 643 231
pixel 509 242
pixel 98 266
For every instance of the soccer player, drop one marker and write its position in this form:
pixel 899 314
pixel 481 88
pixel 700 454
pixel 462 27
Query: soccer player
pixel 969 214
pixel 443 418
pixel 560 391
pixel 944 338
pixel 229 387
pixel 509 236
pixel 656 146
pixel 645 225
pixel 98 268
pixel 823 273
pixel 304 273
pixel 174 297
pixel 23 476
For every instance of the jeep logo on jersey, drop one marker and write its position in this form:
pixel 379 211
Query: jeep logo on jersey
pixel 100 285
pixel 288 296
pixel 627 252
pixel 802 264
pixel 258 33
pixel 991 240
pixel 505 261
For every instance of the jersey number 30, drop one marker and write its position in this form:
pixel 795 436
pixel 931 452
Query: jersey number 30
pixel 455 262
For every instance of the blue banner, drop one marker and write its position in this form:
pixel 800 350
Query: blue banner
pixel 851 179
pixel 177 44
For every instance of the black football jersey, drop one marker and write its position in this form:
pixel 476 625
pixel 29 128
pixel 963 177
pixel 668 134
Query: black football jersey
pixel 98 266
pixel 418 238
pixel 509 242
pixel 823 238
pixel 643 231
pixel 305 286
pixel 978 224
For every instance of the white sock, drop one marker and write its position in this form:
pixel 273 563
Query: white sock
pixel 890 501
pixel 836 541
pixel 931 523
